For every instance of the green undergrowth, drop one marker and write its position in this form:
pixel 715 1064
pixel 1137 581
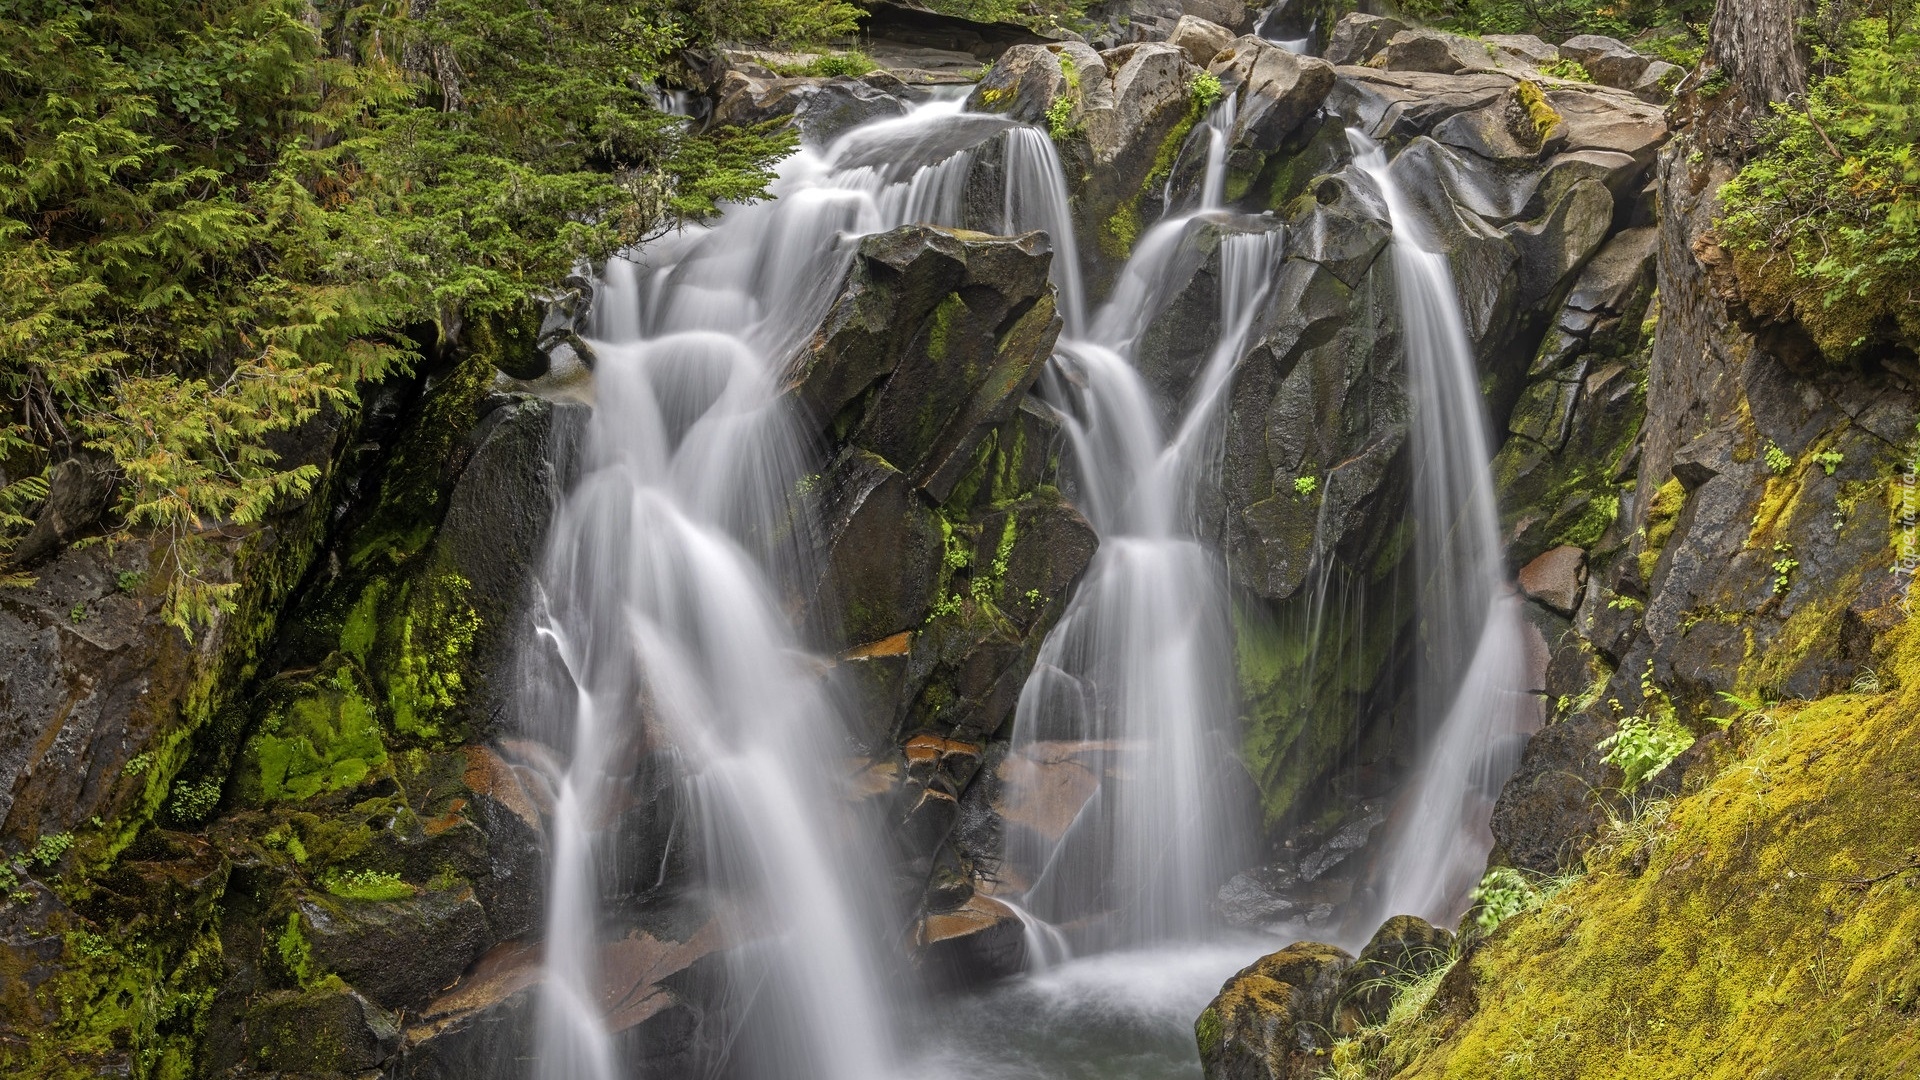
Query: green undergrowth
pixel 1761 924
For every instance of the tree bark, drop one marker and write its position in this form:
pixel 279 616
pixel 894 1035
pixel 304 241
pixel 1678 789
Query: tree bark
pixel 1756 42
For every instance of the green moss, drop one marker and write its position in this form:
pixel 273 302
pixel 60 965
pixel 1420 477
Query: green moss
pixel 361 628
pixel 1540 113
pixel 368 885
pixel 1663 513
pixel 942 325
pixel 1592 524
pixel 325 739
pixel 1122 229
pixel 1762 925
pixel 296 953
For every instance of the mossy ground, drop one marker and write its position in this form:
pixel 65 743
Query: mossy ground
pixel 1769 926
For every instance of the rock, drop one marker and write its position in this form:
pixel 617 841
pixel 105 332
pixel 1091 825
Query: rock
pixel 1273 1020
pixel 821 108
pixel 1021 85
pixel 1555 802
pixel 1559 242
pixel 1235 15
pixel 1436 52
pixel 323 1031
pixel 1357 37
pixel 1199 39
pixel 1556 578
pixel 1149 95
pixel 931 345
pixel 1611 62
pixel 977 943
pixel 1594 120
pixel 1405 948
pixel 1278 89
pixel 1401 105
pixel 1656 84
pixel 1522 48
pixel 399 952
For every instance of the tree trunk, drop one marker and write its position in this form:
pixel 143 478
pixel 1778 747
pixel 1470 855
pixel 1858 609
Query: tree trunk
pixel 1757 43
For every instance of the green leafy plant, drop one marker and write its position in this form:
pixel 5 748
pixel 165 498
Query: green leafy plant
pixel 1784 564
pixel 1823 221
pixel 1503 893
pixel 1571 70
pixel 1642 746
pixel 852 62
pixel 1205 89
pixel 193 801
pixel 219 219
pixel 1304 486
pixel 1829 460
pixel 1779 462
pixel 137 764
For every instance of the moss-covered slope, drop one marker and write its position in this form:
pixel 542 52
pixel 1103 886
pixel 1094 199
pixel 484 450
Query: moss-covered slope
pixel 1765 924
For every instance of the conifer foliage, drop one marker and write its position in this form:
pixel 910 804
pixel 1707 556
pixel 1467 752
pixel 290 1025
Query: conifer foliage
pixel 219 217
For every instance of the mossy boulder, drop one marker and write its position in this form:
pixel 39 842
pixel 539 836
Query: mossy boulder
pixel 330 1031
pixel 1273 1020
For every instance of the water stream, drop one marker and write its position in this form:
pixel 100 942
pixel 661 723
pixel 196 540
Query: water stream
pixel 662 627
pixel 661 624
pixel 1472 693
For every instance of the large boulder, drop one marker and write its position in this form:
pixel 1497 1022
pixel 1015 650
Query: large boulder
pixel 1437 52
pixel 1405 948
pixel 1356 38
pixel 1199 39
pixel 1274 1020
pixel 1611 62
pixel 1277 89
pixel 820 108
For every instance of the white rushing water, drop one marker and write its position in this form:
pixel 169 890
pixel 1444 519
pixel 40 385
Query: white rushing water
pixel 661 624
pixel 1137 677
pixel 1473 693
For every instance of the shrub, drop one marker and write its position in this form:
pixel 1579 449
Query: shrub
pixel 1643 746
pixel 1205 89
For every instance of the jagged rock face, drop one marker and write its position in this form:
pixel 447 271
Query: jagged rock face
pixel 1357 37
pixel 1274 1020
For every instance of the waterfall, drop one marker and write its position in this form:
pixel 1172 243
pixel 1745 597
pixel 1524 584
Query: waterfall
pixel 660 627
pixel 1473 696
pixel 1138 674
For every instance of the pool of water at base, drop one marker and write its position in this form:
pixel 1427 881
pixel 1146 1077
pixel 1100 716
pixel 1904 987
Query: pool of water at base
pixel 1116 1016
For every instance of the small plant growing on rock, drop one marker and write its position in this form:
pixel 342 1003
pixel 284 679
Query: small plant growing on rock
pixel 1829 460
pixel 1570 70
pixel 78 614
pixel 1305 486
pixel 1205 89
pixel 1643 746
pixel 1060 118
pixel 1502 894
pixel 191 803
pixel 1783 567
pixel 137 764
pixel 1778 460
pixel 848 63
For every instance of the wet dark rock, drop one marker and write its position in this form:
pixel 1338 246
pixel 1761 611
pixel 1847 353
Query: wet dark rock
pixel 1556 801
pixel 1273 1020
pixel 399 952
pixel 321 1031
pixel 1405 948
pixel 821 108
pixel 932 343
pixel 1278 89
pixel 80 490
pixel 1357 37
pixel 978 942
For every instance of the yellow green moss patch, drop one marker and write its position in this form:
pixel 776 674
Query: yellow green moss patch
pixel 1767 927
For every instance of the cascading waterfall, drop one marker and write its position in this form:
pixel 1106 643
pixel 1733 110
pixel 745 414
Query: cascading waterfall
pixel 1138 674
pixel 659 621
pixel 1473 695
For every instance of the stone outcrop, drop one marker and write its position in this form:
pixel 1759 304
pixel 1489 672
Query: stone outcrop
pixel 1274 1020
